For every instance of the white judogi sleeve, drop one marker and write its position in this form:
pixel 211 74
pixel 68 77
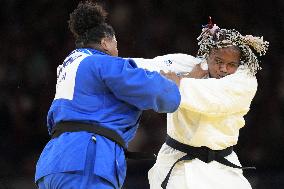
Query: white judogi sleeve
pixel 178 63
pixel 219 97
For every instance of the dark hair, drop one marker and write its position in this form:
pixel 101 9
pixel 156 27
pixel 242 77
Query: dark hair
pixel 88 24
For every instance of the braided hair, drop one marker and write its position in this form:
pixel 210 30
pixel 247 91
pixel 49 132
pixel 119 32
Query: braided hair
pixel 88 24
pixel 212 37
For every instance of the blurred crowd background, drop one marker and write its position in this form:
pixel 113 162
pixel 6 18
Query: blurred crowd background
pixel 35 39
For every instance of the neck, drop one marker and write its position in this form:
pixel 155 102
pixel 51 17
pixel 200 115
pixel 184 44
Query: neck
pixel 96 47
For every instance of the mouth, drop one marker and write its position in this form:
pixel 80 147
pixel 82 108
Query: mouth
pixel 219 76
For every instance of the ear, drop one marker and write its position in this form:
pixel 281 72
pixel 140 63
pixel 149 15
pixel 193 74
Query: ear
pixel 104 44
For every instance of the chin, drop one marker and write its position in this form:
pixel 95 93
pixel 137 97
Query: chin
pixel 215 76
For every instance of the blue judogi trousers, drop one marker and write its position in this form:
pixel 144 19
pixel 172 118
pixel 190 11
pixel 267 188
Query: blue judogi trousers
pixel 78 179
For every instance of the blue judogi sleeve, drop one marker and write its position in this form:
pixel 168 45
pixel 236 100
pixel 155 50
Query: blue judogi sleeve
pixel 139 87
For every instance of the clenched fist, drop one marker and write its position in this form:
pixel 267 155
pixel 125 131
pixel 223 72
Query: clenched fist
pixel 197 73
pixel 172 76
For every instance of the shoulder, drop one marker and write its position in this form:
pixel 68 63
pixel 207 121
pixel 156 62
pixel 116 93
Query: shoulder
pixel 242 78
pixel 105 59
pixel 107 62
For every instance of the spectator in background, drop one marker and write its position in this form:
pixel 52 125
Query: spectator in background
pixel 98 102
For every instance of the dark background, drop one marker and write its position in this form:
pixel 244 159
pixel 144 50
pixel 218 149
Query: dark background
pixel 35 39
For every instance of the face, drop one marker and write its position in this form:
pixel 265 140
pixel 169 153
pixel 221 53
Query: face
pixel 109 45
pixel 223 61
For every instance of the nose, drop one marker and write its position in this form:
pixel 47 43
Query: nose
pixel 223 68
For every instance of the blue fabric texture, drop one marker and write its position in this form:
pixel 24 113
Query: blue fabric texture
pixel 109 91
pixel 77 179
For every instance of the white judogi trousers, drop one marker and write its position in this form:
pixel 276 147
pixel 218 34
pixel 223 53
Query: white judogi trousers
pixel 195 174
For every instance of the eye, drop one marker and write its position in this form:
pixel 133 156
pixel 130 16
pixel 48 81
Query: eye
pixel 218 61
pixel 232 65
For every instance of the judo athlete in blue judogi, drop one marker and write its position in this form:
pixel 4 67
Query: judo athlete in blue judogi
pixel 97 88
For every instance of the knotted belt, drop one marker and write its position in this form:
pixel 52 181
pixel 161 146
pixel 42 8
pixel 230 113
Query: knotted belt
pixel 205 154
pixel 73 126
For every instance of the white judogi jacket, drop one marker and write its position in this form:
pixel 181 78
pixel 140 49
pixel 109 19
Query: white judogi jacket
pixel 210 114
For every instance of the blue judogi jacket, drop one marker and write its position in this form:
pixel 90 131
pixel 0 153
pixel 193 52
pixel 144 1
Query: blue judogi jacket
pixel 95 87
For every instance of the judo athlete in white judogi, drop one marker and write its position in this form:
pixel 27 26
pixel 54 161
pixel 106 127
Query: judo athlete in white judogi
pixel 204 129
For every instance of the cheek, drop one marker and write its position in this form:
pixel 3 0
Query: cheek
pixel 115 51
pixel 232 70
pixel 213 68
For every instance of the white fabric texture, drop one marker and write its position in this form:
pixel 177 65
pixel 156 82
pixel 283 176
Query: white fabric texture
pixel 211 114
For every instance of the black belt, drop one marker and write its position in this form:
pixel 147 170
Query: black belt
pixel 205 154
pixel 73 126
